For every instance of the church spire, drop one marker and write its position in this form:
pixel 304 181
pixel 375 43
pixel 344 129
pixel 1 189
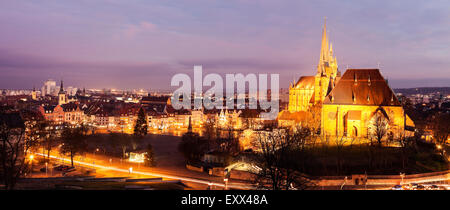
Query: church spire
pixel 61 88
pixel 325 52
pixel 323 49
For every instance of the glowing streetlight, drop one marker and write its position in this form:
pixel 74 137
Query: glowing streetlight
pixel 96 150
pixel 31 162
pixel 210 185
pixel 226 183
pixel 402 175
pixel 345 182
pixel 46 169
pixel 130 170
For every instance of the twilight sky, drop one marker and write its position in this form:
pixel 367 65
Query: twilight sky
pixel 143 43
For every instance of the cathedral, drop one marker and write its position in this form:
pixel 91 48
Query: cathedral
pixel 345 106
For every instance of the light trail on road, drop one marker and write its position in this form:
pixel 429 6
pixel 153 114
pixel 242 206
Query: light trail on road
pixel 229 185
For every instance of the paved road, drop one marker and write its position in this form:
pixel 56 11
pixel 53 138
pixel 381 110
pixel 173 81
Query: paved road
pixel 100 163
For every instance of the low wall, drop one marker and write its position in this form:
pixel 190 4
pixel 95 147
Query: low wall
pixel 194 168
pixel 242 175
pixel 217 171
pixel 387 179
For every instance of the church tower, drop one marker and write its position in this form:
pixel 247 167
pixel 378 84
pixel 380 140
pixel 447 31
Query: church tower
pixel 327 69
pixel 310 90
pixel 34 94
pixel 62 97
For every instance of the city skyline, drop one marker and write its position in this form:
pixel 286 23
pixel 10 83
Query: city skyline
pixel 112 44
pixel 224 102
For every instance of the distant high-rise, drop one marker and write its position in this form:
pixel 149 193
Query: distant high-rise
pixel 49 88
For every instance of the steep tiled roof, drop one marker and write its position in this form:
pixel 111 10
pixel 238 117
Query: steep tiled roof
pixel 305 82
pixel 70 107
pixel 362 87
pixel 154 99
pixel 129 109
pixel 49 108
pixel 171 110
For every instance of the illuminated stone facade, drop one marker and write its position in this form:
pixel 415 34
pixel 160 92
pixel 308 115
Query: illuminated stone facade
pixel 360 97
pixel 348 105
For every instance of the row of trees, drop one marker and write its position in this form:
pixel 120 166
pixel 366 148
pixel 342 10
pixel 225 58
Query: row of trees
pixel 23 133
pixel 287 159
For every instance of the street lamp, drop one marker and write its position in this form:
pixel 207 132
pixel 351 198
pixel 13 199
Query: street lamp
pixel 96 150
pixel 209 185
pixel 46 169
pixel 345 182
pixel 226 183
pixel 130 170
pixel 402 175
pixel 31 161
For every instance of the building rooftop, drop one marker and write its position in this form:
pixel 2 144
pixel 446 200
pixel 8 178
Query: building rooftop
pixel 362 87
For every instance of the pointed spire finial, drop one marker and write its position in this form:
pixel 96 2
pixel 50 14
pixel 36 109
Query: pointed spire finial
pixel 324 48
pixel 61 88
pixel 331 48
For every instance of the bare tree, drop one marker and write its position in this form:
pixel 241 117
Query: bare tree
pixel 314 118
pixel 121 140
pixel 278 161
pixel 379 129
pixel 441 127
pixel 48 136
pixel 14 146
pixel 74 141
pixel 193 147
pixel 210 129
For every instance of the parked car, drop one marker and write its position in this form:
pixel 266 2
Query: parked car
pixel 420 187
pixel 397 187
pixel 61 168
pixel 434 187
